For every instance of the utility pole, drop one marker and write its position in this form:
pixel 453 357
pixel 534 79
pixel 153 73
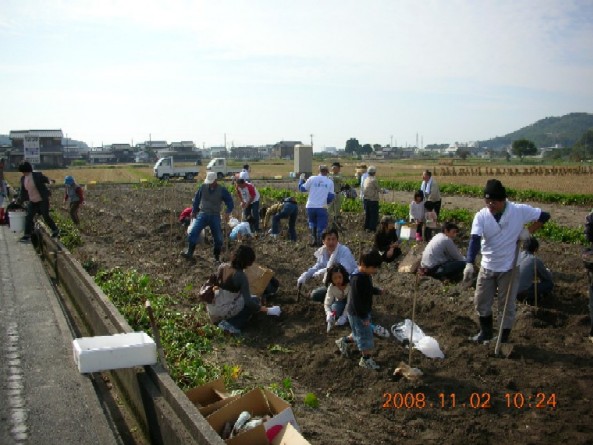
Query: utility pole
pixel 391 143
pixel 311 140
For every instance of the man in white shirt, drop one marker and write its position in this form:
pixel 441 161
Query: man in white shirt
pixel 321 193
pixel 496 231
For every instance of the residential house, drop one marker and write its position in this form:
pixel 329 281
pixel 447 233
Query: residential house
pixel 284 149
pixel 50 147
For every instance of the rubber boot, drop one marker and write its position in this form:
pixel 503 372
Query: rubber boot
pixel 485 334
pixel 189 253
pixel 504 336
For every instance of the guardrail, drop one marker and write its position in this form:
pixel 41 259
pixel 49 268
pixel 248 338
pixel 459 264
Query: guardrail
pixel 160 407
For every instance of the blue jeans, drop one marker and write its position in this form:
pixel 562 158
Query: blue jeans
pixel 338 307
pixel 317 220
pixel 450 270
pixel 253 211
pixel 290 212
pixel 204 220
pixel 362 335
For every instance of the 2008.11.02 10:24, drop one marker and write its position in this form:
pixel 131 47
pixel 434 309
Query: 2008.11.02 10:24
pixel 476 400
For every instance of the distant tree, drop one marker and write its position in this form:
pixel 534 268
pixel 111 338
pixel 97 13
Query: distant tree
pixel 524 147
pixel 352 146
pixel 366 149
pixel 463 153
pixel 377 147
pixel 583 148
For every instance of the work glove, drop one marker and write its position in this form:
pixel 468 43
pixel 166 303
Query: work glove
pixel 302 176
pixel 302 279
pixel 274 310
pixel 468 274
pixel 319 273
pixel 524 235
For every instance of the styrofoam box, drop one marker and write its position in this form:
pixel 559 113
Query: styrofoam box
pixel 407 232
pixel 93 354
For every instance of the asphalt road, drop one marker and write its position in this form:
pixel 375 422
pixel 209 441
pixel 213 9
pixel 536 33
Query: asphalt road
pixel 43 397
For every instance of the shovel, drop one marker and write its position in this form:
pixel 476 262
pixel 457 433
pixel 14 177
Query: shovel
pixel 506 349
pixel 403 369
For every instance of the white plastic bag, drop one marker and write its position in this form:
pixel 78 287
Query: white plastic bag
pixel 424 343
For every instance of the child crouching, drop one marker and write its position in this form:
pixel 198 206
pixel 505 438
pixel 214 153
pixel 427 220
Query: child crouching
pixel 338 292
pixel 359 308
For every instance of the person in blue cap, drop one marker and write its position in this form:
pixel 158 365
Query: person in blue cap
pixel 74 194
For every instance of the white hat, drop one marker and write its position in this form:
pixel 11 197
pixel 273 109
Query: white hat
pixel 372 169
pixel 210 178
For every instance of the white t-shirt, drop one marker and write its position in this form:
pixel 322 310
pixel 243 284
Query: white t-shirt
pixel 244 174
pixel 499 239
pixel 362 179
pixel 318 187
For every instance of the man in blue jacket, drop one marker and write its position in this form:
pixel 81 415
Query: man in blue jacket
pixel 206 210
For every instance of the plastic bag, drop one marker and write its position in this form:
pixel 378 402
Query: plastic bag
pixel 425 344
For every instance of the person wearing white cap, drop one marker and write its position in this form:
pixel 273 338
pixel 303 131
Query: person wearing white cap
pixel 206 210
pixel 321 193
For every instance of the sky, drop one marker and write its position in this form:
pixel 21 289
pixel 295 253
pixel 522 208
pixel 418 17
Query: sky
pixel 255 72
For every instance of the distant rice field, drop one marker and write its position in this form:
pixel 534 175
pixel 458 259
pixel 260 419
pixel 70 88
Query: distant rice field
pixel 398 170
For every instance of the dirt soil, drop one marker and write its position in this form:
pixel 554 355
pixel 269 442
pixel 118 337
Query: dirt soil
pixel 551 362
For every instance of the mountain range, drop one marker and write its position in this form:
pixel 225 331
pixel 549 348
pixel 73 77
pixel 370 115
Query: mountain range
pixel 548 132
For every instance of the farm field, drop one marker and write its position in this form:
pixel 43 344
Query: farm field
pixel 134 227
pixel 558 182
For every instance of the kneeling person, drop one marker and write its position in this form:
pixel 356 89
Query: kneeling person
pixel 441 258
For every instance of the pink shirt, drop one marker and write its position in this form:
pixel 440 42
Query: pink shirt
pixel 34 195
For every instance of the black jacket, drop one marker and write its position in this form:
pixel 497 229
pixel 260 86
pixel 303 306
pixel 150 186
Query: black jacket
pixel 360 302
pixel 40 181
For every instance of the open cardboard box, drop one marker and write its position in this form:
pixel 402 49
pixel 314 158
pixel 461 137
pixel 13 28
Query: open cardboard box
pixel 258 402
pixel 289 436
pixel 210 396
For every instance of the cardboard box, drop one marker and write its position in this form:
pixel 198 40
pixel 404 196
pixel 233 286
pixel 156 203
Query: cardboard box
pixel 412 260
pixel 210 396
pixel 258 277
pixel 289 436
pixel 257 402
pixel 102 353
pixel 408 232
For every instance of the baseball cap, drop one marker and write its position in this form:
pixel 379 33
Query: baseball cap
pixel 210 178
